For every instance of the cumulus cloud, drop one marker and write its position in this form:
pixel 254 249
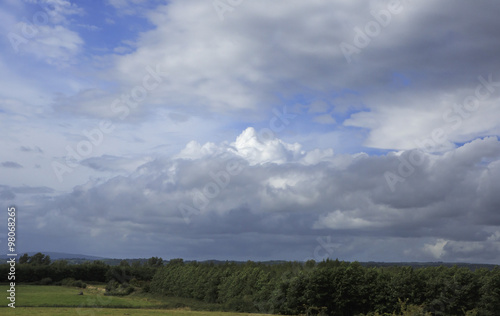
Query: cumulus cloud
pixel 280 193
pixel 394 146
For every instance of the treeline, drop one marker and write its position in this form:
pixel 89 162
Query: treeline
pixel 333 288
pixel 329 287
pixel 40 269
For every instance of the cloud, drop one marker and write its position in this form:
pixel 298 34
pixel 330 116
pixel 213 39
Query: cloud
pixel 46 34
pixel 341 220
pixel 437 250
pixel 235 67
pixel 250 187
pixel 258 151
pixel 30 149
pixel 55 45
pixel 318 107
pixel 10 193
pixel 11 164
pixel 181 173
pixel 89 27
pixel 6 193
pixel 59 10
pixel 32 190
pixel 325 119
pixel 113 163
pixel 131 7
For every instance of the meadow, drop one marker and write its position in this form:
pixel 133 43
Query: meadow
pixel 330 287
pixel 61 300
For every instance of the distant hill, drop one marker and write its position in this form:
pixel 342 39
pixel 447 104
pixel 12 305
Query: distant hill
pixel 57 255
pixel 80 258
pixel 471 266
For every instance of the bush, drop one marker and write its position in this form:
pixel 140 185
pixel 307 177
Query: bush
pixel 45 281
pixel 113 288
pixel 74 283
pixel 79 284
pixel 67 281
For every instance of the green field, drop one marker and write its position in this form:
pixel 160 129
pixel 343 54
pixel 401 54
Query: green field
pixel 60 311
pixel 61 300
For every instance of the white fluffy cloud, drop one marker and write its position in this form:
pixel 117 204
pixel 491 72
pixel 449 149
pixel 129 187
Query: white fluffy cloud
pixel 227 190
pixel 180 171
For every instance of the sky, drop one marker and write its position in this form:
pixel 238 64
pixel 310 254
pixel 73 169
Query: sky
pixel 252 129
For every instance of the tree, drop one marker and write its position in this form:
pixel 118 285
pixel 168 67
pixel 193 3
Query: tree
pixel 24 258
pixel 136 264
pixel 178 261
pixel 155 262
pixel 39 259
pixel 490 293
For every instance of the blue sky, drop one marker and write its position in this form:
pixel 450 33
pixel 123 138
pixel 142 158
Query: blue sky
pixel 253 129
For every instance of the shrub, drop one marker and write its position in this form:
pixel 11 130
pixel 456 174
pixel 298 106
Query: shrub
pixel 45 281
pixel 67 281
pixel 117 289
pixel 74 283
pixel 79 284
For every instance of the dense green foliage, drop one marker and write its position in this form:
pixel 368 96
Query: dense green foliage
pixel 40 270
pixel 332 288
pixel 292 288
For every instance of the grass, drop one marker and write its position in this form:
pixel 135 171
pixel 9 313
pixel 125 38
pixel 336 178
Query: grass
pixel 43 300
pixel 64 311
pixel 61 296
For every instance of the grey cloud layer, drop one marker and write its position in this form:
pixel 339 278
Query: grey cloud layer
pixel 451 200
pixel 426 59
pixel 407 86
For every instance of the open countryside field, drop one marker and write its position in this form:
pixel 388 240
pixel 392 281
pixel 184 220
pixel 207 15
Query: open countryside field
pixel 63 311
pixel 61 300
